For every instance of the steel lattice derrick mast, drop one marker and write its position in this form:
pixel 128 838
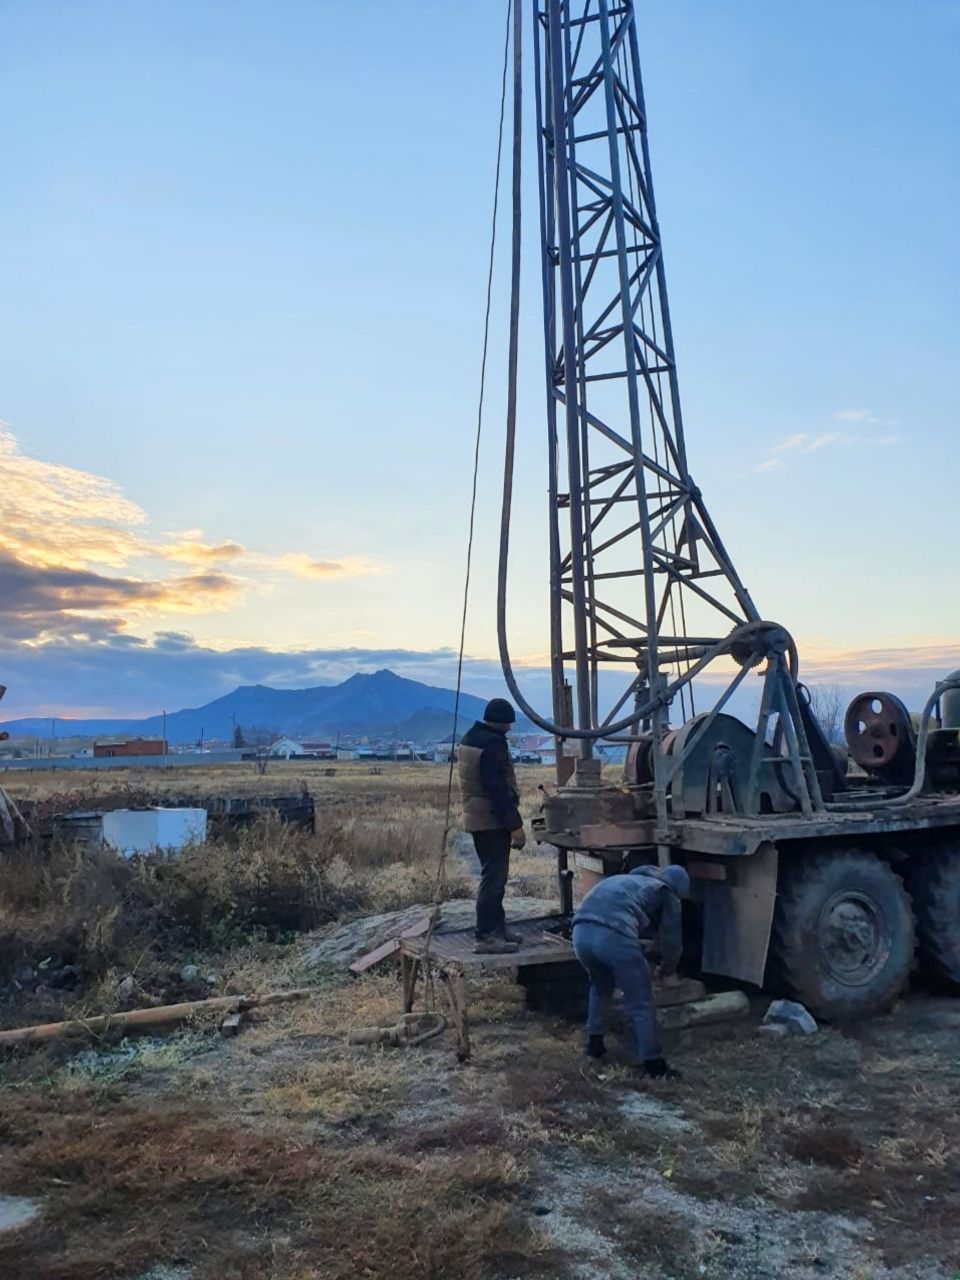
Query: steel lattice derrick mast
pixel 639 574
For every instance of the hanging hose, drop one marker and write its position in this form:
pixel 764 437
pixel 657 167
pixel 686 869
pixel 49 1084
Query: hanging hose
pixel 666 695
pixel 559 731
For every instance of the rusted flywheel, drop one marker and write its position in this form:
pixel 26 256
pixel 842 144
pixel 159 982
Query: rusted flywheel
pixel 878 729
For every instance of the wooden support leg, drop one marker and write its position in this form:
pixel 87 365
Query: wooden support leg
pixel 565 881
pixel 410 971
pixel 457 987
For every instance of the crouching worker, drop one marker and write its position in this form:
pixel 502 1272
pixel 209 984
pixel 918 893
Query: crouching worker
pixel 489 796
pixel 609 927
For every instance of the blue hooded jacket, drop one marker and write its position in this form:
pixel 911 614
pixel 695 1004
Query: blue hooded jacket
pixel 644 904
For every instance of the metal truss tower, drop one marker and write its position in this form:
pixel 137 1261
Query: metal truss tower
pixel 639 574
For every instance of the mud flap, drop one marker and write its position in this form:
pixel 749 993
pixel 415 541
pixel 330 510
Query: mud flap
pixel 738 916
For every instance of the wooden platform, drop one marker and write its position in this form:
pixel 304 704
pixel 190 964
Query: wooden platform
pixel 456 947
pixel 451 957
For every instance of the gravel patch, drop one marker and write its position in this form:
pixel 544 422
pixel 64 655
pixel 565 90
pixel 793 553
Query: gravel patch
pixel 648 1112
pixel 747 1241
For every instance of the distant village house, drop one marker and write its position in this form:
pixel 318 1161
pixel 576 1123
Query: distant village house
pixel 129 747
pixel 294 749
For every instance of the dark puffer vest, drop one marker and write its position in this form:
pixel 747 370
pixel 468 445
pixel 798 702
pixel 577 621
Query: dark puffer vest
pixel 488 785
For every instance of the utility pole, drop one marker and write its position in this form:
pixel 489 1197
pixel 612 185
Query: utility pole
pixel 164 731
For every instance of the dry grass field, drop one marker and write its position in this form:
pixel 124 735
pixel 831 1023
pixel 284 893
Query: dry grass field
pixel 287 1154
pixel 358 786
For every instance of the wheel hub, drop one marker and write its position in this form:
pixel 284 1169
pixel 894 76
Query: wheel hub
pixel 853 939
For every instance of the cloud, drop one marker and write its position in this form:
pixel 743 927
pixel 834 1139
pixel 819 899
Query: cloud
pixel 818 442
pixel 39 601
pixel 301 565
pixel 791 442
pixel 192 550
pixel 123 675
pixel 802 442
pixel 74 549
pixel 50 514
pixel 855 415
pixel 100 673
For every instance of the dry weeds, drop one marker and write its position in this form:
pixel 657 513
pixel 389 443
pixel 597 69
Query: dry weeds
pixel 287 1155
pixel 125 1187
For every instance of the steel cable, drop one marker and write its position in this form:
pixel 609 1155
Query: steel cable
pixel 442 863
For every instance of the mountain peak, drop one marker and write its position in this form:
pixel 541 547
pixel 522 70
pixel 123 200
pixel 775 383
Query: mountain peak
pixel 379 702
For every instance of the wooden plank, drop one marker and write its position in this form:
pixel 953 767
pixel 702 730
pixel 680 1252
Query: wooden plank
pixel 371 958
pixel 388 948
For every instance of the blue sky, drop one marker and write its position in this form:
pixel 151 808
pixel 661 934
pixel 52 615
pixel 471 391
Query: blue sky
pixel 242 250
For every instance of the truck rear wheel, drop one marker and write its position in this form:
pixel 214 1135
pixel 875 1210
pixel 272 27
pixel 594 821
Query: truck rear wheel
pixel 843 935
pixel 935 886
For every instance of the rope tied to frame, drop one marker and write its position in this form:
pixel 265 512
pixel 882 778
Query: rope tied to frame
pixel 441 876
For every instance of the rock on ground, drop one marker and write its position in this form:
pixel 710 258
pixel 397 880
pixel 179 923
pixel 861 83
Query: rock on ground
pixel 790 1014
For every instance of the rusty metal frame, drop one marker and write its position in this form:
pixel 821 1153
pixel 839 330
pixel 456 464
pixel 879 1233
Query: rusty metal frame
pixel 621 493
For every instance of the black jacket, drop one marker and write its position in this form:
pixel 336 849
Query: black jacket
pixel 488 784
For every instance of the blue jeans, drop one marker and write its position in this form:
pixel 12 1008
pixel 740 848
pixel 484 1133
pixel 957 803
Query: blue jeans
pixel 613 960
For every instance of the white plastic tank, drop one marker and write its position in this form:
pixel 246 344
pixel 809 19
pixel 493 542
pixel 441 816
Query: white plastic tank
pixel 132 831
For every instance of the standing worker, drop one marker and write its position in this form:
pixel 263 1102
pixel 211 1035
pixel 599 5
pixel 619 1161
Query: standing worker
pixel 609 928
pixel 489 796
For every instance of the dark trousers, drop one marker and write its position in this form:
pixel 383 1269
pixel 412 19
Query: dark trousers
pixel 613 960
pixel 493 850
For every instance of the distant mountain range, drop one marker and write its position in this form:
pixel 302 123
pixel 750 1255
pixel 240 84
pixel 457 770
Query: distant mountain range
pixel 365 704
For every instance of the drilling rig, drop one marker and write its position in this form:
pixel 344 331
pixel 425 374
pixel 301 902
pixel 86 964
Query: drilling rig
pixel 828 882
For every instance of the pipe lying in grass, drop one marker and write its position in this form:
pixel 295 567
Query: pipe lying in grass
pixel 165 1015
pixel 411 1030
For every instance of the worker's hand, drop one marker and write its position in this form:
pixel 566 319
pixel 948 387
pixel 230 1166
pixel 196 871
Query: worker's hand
pixel 518 838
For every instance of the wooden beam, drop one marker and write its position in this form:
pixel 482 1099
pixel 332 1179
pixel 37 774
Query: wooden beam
pixel 388 948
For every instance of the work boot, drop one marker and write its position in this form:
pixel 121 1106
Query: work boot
pixel 657 1069
pixel 595 1047
pixel 491 944
pixel 511 935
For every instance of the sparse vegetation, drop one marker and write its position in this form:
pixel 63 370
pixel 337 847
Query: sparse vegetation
pixel 285 1154
pixel 74 922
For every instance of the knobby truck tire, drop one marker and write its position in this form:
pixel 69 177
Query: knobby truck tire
pixel 935 886
pixel 826 904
